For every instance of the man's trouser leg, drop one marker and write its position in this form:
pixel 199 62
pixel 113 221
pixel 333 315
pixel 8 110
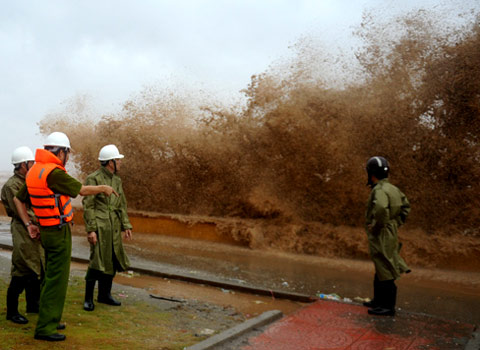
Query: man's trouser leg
pixel 16 287
pixel 32 293
pixel 58 248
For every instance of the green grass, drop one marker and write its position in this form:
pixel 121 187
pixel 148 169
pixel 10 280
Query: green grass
pixel 134 325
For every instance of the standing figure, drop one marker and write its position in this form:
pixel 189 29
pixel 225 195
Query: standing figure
pixel 387 210
pixel 105 220
pixel 49 188
pixel 27 255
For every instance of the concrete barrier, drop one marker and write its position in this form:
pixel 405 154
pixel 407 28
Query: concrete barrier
pixel 175 225
pixel 171 225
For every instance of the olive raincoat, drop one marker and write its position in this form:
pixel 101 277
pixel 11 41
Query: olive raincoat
pixel 387 209
pixel 107 216
pixel 28 255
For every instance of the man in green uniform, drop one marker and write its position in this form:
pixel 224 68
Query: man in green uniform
pixel 105 220
pixel 387 209
pixel 27 254
pixel 49 188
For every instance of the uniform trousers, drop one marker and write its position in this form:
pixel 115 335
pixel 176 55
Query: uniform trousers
pixel 57 244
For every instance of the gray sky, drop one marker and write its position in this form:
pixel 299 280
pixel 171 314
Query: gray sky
pixel 52 50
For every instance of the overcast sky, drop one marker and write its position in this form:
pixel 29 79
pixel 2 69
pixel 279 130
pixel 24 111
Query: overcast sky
pixel 53 50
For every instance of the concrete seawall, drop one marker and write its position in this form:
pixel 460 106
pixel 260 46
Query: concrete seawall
pixel 174 225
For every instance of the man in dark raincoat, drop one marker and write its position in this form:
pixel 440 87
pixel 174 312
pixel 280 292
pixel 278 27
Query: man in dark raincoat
pixel 27 256
pixel 105 220
pixel 387 210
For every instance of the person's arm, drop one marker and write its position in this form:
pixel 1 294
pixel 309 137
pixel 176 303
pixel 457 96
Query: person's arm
pixel 381 211
pixel 126 225
pixel 92 190
pixel 7 200
pixel 89 216
pixel 404 210
pixel 33 230
pixel 60 182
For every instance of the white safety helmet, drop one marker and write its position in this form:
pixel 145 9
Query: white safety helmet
pixel 22 154
pixel 57 139
pixel 109 152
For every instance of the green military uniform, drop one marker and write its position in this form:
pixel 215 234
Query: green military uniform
pixel 387 209
pixel 27 256
pixel 57 243
pixel 107 216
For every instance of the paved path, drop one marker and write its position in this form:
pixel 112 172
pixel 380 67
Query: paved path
pixel 337 326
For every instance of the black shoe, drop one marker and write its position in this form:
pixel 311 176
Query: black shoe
pixel 51 337
pixel 61 326
pixel 109 300
pixel 380 311
pixel 88 305
pixel 370 304
pixel 18 319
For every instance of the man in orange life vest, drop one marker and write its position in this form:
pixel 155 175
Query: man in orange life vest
pixel 49 188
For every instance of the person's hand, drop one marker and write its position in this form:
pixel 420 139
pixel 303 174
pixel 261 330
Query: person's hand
pixel 128 234
pixel 92 238
pixel 109 190
pixel 33 231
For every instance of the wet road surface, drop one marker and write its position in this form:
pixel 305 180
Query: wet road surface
pixel 452 295
pixel 329 325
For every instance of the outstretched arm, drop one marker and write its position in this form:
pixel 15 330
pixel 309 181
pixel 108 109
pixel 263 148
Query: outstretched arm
pixel 92 190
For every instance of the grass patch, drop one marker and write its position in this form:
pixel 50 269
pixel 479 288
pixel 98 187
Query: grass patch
pixel 134 325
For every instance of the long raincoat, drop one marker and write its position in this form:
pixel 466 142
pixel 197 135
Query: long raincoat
pixel 107 216
pixel 28 255
pixel 387 209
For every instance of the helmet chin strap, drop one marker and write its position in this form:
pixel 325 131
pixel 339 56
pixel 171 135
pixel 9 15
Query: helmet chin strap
pixel 114 166
pixel 370 182
pixel 64 156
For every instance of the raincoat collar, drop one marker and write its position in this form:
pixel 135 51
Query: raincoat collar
pixel 107 172
pixel 18 174
pixel 380 182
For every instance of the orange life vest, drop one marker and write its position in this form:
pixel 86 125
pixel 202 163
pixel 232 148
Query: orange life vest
pixel 51 209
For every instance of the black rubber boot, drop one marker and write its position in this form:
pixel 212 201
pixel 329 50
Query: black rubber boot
pixel 392 296
pixel 15 288
pixel 32 294
pixel 387 299
pixel 374 303
pixel 105 290
pixel 88 304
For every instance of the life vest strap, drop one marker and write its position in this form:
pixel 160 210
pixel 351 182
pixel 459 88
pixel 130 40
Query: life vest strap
pixel 46 196
pixel 48 217
pixel 43 206
pixel 68 202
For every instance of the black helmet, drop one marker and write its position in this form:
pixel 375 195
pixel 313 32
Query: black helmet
pixel 378 167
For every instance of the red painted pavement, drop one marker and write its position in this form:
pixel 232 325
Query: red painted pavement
pixel 337 326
